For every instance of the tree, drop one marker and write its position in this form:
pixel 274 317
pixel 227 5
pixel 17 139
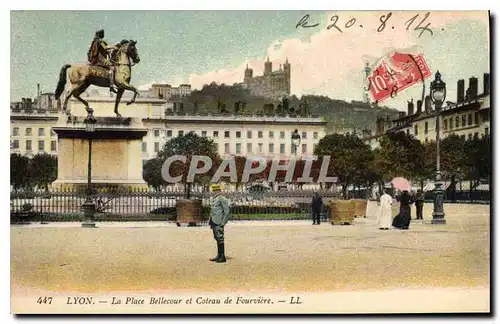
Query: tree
pixel 151 172
pixel 298 171
pixel 239 162
pixel 43 170
pixel 19 171
pixel 399 155
pixel 478 158
pixel 453 157
pixel 427 169
pixel 367 176
pixel 263 175
pixel 348 156
pixel 188 145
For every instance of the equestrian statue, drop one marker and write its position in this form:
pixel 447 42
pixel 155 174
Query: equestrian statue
pixel 107 66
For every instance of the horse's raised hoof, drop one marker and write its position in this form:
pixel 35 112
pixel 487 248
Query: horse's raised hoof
pixel 129 103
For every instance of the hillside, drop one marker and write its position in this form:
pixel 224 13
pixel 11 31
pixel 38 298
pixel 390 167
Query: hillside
pixel 340 114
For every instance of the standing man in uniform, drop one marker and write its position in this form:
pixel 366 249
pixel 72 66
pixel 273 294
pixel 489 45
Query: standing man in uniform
pixel 218 219
pixel 98 56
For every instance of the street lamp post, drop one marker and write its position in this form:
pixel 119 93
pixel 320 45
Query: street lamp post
pixel 89 205
pixel 295 142
pixel 438 95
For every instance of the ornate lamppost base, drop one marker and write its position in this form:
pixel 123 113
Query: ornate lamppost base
pixel 438 213
pixel 88 213
pixel 438 220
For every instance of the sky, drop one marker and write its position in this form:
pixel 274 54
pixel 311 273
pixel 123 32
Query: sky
pixel 199 47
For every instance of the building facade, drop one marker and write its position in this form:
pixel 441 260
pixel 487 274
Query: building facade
pixel 31 132
pixel 272 84
pixel 247 135
pixel 468 117
pixel 269 136
pixel 166 91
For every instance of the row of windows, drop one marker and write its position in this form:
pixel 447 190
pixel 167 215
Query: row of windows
pixel 467 120
pixel 238 148
pixel 271 148
pixel 470 135
pixel 238 134
pixel 41 145
pixel 29 131
pixel 156 133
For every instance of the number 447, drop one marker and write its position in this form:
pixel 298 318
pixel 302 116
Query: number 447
pixel 44 300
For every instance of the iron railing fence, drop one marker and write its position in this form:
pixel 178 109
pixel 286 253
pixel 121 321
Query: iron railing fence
pixel 147 205
pixel 151 205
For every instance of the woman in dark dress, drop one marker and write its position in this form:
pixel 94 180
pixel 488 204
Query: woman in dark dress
pixel 402 220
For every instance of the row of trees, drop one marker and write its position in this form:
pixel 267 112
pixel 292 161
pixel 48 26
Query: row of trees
pixel 37 172
pixel 460 159
pixel 351 161
pixel 191 144
pixel 402 155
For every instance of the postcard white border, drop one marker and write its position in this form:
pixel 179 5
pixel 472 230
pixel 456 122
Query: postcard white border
pixel 193 5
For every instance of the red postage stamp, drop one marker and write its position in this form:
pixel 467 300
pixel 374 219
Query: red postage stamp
pixel 396 72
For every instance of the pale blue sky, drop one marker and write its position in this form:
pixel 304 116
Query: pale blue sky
pixel 202 46
pixel 171 44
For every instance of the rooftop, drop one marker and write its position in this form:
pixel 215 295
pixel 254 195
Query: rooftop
pixel 483 100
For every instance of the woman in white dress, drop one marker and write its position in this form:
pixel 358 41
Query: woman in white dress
pixel 385 211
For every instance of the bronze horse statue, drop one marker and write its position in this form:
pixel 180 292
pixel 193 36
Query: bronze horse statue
pixel 81 76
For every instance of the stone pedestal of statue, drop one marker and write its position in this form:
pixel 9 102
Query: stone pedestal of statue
pixel 116 153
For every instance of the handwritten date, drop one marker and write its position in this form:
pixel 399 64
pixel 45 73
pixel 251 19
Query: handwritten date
pixel 340 26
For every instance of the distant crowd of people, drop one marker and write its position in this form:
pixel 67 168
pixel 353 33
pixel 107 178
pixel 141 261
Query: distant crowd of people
pixel 403 218
pixel 384 218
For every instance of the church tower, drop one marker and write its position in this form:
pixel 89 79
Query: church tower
pixel 268 67
pixel 288 78
pixel 286 67
pixel 248 74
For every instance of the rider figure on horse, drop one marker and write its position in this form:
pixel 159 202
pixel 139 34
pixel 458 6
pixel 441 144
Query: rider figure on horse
pixel 99 54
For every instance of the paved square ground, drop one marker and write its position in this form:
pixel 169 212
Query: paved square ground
pixel 279 256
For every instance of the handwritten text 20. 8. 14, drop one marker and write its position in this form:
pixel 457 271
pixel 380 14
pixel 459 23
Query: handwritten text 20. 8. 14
pixel 414 23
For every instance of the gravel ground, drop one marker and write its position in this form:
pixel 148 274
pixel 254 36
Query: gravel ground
pixel 281 256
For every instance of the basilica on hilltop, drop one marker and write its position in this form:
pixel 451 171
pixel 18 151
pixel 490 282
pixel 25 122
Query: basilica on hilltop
pixel 272 84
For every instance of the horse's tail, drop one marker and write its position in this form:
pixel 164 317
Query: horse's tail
pixel 62 81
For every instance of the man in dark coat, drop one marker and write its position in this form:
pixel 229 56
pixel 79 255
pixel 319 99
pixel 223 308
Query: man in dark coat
pixel 316 205
pixel 419 204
